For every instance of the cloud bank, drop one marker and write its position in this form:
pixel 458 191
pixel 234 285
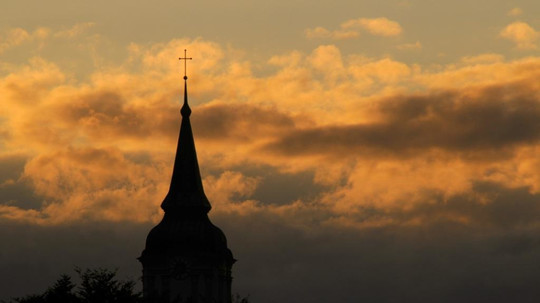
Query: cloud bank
pixel 89 147
pixel 391 175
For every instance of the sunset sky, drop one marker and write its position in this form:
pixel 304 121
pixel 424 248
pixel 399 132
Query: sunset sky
pixel 376 151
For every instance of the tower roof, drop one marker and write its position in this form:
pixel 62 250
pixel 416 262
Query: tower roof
pixel 186 193
pixel 185 230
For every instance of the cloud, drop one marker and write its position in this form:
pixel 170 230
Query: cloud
pixel 15 191
pixel 412 256
pixel 318 32
pixel 483 59
pixel 487 118
pixel 321 32
pixel 383 70
pixel 327 58
pixel 228 193
pixel 91 144
pixel 351 29
pixel 516 11
pixel 17 36
pixel 75 30
pixel 410 46
pixel 468 73
pixel 375 26
pixel 522 34
pixel 78 186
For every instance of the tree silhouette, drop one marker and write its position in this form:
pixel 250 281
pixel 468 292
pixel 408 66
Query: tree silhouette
pixel 61 291
pixel 97 286
pixel 101 285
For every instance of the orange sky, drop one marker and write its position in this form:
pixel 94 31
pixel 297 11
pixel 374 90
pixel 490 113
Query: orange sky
pixel 358 118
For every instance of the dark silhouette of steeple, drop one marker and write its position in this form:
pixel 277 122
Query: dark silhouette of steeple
pixel 186 193
pixel 186 258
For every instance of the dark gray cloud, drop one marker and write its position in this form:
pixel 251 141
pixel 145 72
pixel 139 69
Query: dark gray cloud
pixel 434 264
pixel 494 258
pixel 274 186
pixel 12 167
pixel 282 188
pixel 486 119
pixel 439 261
pixel 107 114
pixel 487 206
pixel 15 190
pixel 490 205
pixel 443 263
pixel 239 122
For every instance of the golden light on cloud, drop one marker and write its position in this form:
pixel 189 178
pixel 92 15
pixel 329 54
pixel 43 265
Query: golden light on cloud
pixel 516 11
pixel 375 26
pixel 17 36
pixel 522 34
pixel 66 129
pixel 352 29
pixel 349 119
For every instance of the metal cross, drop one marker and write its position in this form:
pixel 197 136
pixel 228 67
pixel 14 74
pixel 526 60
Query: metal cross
pixel 185 58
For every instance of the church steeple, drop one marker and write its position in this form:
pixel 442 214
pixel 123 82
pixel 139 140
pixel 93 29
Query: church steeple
pixel 186 193
pixel 186 258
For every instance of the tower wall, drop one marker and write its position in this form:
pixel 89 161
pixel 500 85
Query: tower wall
pixel 181 279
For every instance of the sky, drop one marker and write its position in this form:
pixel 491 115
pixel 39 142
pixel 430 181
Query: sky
pixel 378 151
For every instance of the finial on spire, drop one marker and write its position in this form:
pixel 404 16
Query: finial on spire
pixel 185 58
pixel 185 111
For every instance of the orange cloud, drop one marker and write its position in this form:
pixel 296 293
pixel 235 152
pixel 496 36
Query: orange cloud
pixel 17 36
pixel 379 136
pixel 375 26
pixel 522 34
pixel 351 29
pixel 516 11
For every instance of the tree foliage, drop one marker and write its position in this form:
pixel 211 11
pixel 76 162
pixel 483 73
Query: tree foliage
pixel 101 285
pixel 97 286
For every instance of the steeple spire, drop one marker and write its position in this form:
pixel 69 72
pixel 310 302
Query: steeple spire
pixel 186 193
pixel 186 257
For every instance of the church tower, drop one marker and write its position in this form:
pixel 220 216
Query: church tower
pixel 186 258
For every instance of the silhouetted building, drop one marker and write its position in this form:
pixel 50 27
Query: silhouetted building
pixel 186 258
